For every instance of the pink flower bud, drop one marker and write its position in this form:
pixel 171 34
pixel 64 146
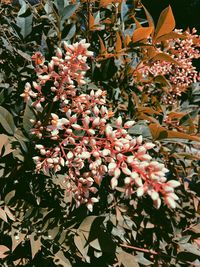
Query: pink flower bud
pixel 173 183
pixel 58 53
pixel 91 132
pixel 170 202
pixel 129 124
pixel 149 146
pixel 109 131
pixel 126 171
pixel 114 183
pixel 139 140
pixel 96 122
pixel 77 127
pixel 118 121
pixel 117 172
pixel 140 191
pixel 39 146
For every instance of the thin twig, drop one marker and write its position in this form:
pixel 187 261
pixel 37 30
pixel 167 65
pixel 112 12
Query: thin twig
pixel 140 249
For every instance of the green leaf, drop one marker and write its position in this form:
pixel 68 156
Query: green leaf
pixel 140 129
pixel 24 23
pixel 6 120
pixel 190 248
pixel 71 32
pixel 28 114
pixel 61 4
pixel 68 11
pixel 188 117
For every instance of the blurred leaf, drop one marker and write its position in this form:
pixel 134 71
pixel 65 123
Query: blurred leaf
pixel 9 213
pixel 9 196
pixel 188 117
pixel 196 228
pixel 3 250
pixel 3 141
pixel 104 3
pixel 60 259
pixel 71 32
pixel 126 259
pixel 118 44
pixel 190 248
pixel 141 259
pixel 87 223
pixel 68 11
pixel 3 215
pixel 90 21
pixel 35 244
pixel 24 24
pixel 6 120
pixel 149 17
pixel 162 80
pixel 28 114
pixel 80 243
pixel 102 46
pixel 17 238
pixel 124 10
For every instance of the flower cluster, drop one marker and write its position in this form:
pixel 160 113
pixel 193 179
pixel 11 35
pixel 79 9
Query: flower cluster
pixel 183 50
pixel 85 143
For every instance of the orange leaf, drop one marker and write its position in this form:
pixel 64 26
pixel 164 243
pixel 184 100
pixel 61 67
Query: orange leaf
pixel 141 33
pixel 104 3
pixel 138 25
pixel 102 46
pixel 171 35
pixel 149 17
pixel 174 134
pixel 165 57
pixel 118 45
pixel 159 132
pixel 127 40
pixel 91 21
pixel 166 22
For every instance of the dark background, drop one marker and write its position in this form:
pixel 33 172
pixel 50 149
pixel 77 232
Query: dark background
pixel 186 12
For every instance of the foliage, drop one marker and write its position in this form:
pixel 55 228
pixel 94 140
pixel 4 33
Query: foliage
pixel 41 222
